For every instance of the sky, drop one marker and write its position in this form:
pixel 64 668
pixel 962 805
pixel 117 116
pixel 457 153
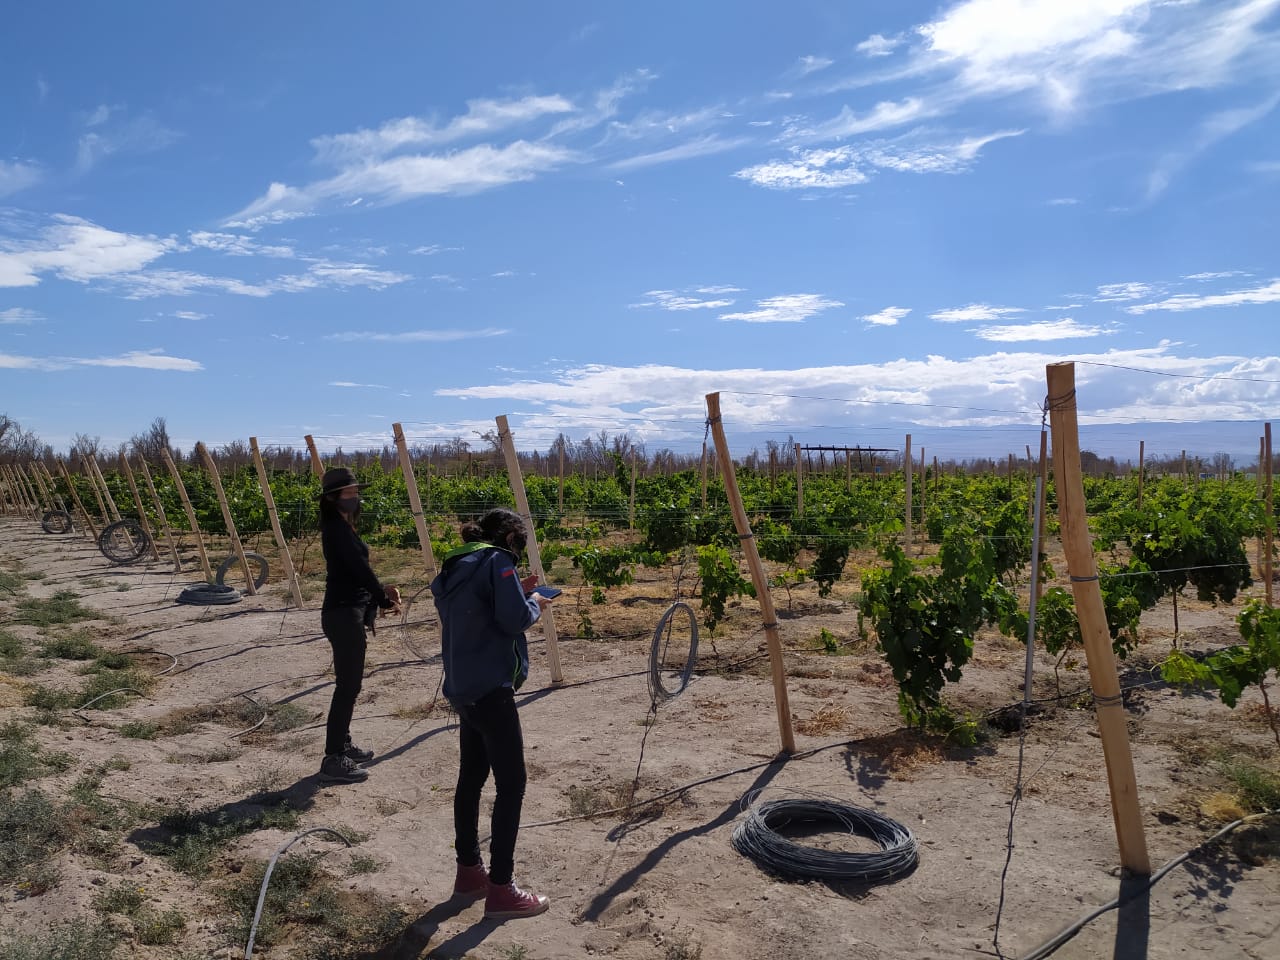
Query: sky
pixel 854 220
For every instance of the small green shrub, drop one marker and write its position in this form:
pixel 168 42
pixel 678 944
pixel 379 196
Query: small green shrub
pixel 77 940
pixel 63 607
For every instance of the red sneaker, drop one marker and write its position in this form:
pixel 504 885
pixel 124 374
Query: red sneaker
pixel 472 882
pixel 507 902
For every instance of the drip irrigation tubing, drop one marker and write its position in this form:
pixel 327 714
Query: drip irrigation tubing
pixel 266 880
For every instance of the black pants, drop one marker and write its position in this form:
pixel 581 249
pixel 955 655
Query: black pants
pixel 490 738
pixel 344 626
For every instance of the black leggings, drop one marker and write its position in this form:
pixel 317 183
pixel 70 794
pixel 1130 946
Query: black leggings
pixel 344 626
pixel 490 738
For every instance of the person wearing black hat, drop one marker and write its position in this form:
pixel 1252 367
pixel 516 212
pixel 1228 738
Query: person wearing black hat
pixel 352 597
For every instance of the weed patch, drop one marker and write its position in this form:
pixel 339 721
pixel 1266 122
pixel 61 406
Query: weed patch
pixel 21 758
pixel 63 607
pixel 1257 787
pixel 77 940
pixel 197 837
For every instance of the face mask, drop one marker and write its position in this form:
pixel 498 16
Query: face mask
pixel 348 505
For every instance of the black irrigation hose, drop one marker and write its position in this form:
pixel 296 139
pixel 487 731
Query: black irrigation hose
pixel 208 595
pixel 109 693
pixel 124 541
pixel 266 879
pixel 1051 946
pixel 56 521
pixel 657 654
pixel 232 561
pixel 757 837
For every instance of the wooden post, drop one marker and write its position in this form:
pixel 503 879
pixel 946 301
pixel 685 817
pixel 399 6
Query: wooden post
pixel 106 491
pixel 164 520
pixel 516 479
pixel 560 486
pixel 924 495
pixel 415 500
pixel 37 501
pixel 75 498
pixel 907 471
pixel 190 512
pixel 799 483
pixel 137 502
pixel 703 468
pixel 294 587
pixel 52 484
pixel 317 468
pixel 15 489
pixel 1184 466
pixel 1082 567
pixel 1268 566
pixel 631 506
pixel 773 471
pixel 1262 488
pixel 848 471
pixel 758 577
pixel 937 477
pixel 1142 459
pixel 6 491
pixel 1043 470
pixel 226 517
pixel 37 483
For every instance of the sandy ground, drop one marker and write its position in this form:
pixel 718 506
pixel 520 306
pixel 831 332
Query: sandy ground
pixel 668 884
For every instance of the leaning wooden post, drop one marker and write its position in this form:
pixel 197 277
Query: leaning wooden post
pixel 15 490
pixel 799 483
pixel 226 516
pixel 560 486
pixel 516 479
pixel 52 484
pixel 106 491
pixel 93 485
pixel 758 577
pixel 33 493
pixel 190 512
pixel 908 469
pixel 37 483
pixel 10 501
pixel 1082 567
pixel 317 468
pixel 281 542
pixel 75 498
pixel 1142 459
pixel 164 520
pixel 137 502
pixel 1268 566
pixel 703 468
pixel 415 500
pixel 631 506
pixel 1044 493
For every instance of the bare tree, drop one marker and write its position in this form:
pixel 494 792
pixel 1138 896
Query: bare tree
pixel 152 442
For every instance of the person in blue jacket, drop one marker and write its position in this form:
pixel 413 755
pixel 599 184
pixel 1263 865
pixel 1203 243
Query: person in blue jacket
pixel 485 608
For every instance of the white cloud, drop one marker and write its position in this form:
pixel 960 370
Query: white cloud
pixel 155 359
pixel 141 134
pixel 11 361
pixel 418 336
pixel 823 169
pixel 238 245
pixel 75 249
pixel 883 115
pixel 1267 293
pixel 701 147
pixel 1112 292
pixel 430 250
pixel 349 384
pixel 320 274
pixel 790 308
pixel 1265 166
pixel 503 273
pixel 974 312
pixel 811 64
pixel 1219 275
pixel 17 176
pixel 888 317
pixel 1217 126
pixel 1064 329
pixel 878 45
pixel 190 315
pixel 18 316
pixel 1063 202
pixel 671 300
pixel 718 288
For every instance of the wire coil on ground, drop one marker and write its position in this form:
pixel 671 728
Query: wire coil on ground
pixel 56 521
pixel 124 541
pixel 658 692
pixel 234 561
pixel 757 837
pixel 208 595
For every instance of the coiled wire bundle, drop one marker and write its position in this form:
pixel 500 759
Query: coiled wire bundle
pixel 757 837
pixel 658 691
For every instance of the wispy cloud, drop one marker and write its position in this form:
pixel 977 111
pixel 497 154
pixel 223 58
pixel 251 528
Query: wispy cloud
pixel 672 300
pixel 701 147
pixel 847 123
pixel 109 131
pixel 1112 292
pixel 888 317
pixel 974 312
pixel 75 249
pixel 811 64
pixel 1266 293
pixel 238 245
pixel 351 385
pixel 320 274
pixel 418 336
pixel 1063 202
pixel 1218 275
pixel 878 45
pixel 154 359
pixel 19 316
pixel 1216 127
pixel 790 308
pixel 190 315
pixel 431 249
pixel 1064 329
pixel 16 175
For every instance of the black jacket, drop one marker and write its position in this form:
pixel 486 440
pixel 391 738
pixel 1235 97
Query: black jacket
pixel 349 580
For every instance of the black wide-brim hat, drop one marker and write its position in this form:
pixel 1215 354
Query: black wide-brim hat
pixel 338 478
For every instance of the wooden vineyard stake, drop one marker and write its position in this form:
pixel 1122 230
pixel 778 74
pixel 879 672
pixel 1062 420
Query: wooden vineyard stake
pixel 907 471
pixel 799 483
pixel 164 520
pixel 773 470
pixel 6 493
pixel 93 485
pixel 758 576
pixel 52 485
pixel 1184 466
pixel 18 495
pixel 1043 470
pixel 190 512
pixel 40 488
pixel 703 469
pixel 227 518
pixel 516 479
pixel 1031 483
pixel 1262 487
pixel 1082 567
pixel 560 486
pixel 37 500
pixel 294 587
pixel 924 495
pixel 1142 457
pixel 415 501
pixel 106 491
pixel 317 468
pixel 848 472
pixel 75 498
pixel 1268 566
pixel 631 506
pixel 137 502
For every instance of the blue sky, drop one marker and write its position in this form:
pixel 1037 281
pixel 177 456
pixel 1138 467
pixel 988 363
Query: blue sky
pixel 287 218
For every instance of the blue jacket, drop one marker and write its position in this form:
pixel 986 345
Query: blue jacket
pixel 483 616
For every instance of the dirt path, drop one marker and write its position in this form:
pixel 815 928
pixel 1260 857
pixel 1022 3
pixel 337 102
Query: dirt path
pixel 667 884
